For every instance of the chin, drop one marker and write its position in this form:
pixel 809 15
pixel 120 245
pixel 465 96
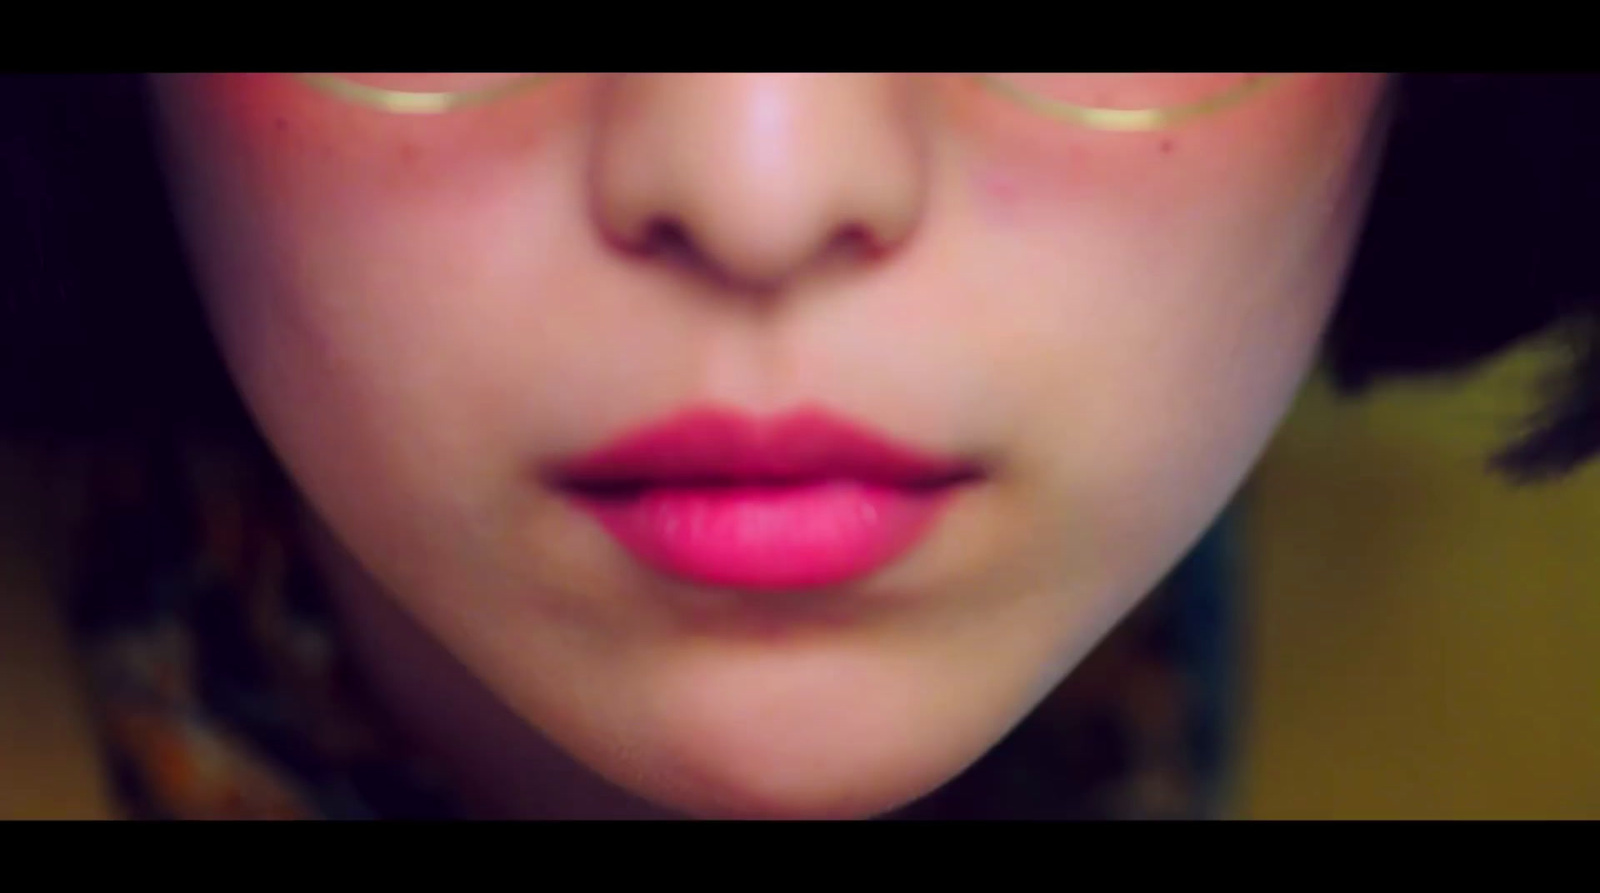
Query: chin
pixel 838 742
pixel 793 793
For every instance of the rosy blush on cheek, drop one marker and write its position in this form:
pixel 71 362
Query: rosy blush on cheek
pixel 1000 189
pixel 284 136
pixel 1021 163
pixel 1004 194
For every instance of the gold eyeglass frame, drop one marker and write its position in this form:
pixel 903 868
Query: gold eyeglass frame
pixel 403 102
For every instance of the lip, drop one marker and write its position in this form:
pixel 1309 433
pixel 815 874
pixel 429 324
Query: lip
pixel 801 501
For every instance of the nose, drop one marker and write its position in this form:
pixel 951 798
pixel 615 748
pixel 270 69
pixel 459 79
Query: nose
pixel 757 178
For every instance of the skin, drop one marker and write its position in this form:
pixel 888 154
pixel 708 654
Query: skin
pixel 421 311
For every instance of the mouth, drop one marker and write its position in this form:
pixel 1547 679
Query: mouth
pixel 806 501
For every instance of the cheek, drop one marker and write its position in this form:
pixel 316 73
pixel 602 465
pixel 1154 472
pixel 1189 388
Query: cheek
pixel 341 227
pixel 1156 302
pixel 367 302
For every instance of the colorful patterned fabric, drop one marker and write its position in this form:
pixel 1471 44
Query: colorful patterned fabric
pixel 222 691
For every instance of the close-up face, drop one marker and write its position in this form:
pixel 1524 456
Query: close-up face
pixel 771 444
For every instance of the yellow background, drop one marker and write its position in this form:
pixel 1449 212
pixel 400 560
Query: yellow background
pixel 1426 638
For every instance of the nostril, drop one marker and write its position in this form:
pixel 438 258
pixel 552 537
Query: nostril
pixel 858 242
pixel 762 253
pixel 668 239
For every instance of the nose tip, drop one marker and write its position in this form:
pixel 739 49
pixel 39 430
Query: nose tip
pixel 757 178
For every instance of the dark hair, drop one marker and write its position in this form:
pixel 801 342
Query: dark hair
pixel 1481 232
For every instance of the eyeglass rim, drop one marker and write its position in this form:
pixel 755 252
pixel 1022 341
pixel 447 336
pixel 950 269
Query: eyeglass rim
pixel 406 102
pixel 1129 120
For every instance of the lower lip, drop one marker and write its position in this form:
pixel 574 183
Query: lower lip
pixel 780 537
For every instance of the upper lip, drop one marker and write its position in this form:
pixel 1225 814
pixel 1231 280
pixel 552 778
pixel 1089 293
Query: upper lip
pixel 713 446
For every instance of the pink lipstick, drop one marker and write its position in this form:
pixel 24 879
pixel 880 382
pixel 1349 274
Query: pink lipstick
pixel 804 501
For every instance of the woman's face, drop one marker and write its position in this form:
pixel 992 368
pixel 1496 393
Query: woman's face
pixel 596 383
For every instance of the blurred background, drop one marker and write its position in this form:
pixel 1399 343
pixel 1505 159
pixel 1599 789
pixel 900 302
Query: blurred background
pixel 1414 638
pixel 1424 639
